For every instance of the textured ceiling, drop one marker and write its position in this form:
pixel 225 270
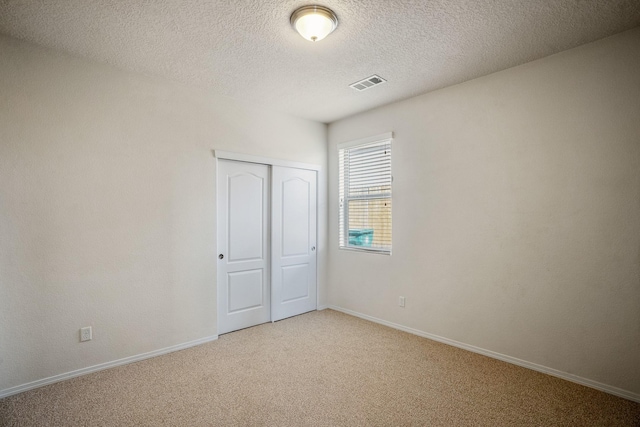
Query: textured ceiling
pixel 247 50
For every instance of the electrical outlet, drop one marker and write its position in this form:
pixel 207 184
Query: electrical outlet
pixel 401 302
pixel 85 334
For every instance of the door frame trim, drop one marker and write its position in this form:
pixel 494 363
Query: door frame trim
pixel 229 155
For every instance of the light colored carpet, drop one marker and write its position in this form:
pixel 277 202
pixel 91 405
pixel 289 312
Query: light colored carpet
pixel 319 369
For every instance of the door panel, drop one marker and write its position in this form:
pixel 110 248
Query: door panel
pixel 295 279
pixel 293 234
pixel 244 293
pixel 246 219
pixel 295 200
pixel 246 289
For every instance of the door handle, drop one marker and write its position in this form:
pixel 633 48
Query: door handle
pixel 313 248
pixel 220 256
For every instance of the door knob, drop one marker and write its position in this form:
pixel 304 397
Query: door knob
pixel 220 256
pixel 313 248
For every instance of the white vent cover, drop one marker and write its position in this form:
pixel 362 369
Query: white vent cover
pixel 365 84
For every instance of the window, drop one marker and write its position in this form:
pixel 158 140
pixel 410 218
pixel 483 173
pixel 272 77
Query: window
pixel 365 194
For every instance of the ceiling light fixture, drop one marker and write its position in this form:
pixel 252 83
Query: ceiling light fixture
pixel 314 22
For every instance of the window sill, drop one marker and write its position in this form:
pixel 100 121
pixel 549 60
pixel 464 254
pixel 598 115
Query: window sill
pixel 369 251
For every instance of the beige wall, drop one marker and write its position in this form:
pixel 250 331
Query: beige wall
pixel 107 208
pixel 516 211
pixel 516 214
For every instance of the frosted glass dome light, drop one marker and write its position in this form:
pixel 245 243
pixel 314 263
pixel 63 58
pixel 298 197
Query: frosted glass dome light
pixel 314 22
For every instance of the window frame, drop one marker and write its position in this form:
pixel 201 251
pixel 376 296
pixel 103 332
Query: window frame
pixel 343 211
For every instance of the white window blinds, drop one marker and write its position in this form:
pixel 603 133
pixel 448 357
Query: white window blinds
pixel 365 196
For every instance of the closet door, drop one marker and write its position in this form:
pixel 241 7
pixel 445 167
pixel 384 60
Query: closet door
pixel 244 292
pixel 293 234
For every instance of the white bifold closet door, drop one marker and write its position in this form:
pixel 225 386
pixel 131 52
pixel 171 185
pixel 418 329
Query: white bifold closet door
pixel 293 234
pixel 244 292
pixel 266 243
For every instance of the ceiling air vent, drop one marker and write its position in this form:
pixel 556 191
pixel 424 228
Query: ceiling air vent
pixel 367 83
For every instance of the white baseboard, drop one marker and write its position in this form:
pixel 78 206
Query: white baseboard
pixel 102 366
pixel 322 307
pixel 545 370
